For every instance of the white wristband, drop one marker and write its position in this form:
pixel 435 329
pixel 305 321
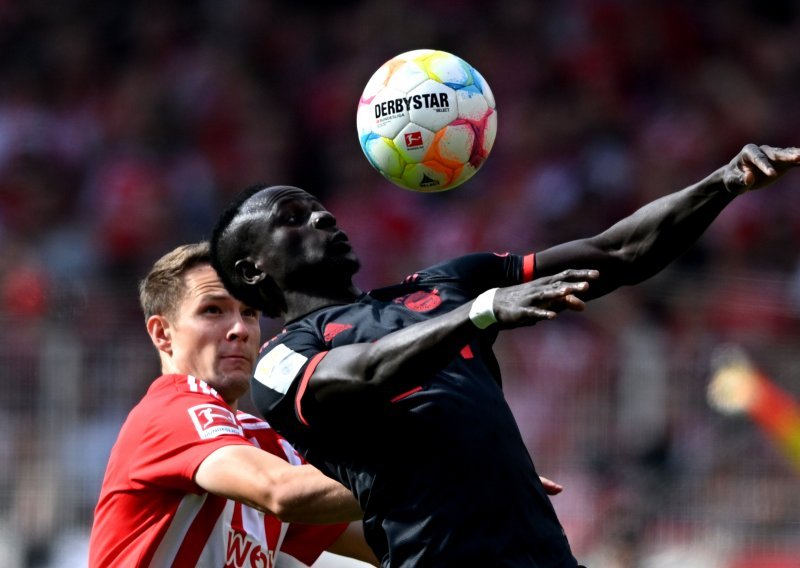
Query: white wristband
pixel 482 310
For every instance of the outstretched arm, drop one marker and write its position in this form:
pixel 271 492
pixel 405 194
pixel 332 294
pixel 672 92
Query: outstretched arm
pixel 398 361
pixel 644 243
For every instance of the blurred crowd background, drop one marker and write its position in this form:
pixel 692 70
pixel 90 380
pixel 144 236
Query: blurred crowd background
pixel 125 127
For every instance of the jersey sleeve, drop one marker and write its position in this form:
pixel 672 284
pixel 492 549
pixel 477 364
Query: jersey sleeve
pixel 281 375
pixel 178 437
pixel 481 271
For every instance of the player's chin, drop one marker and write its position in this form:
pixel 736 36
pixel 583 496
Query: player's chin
pixel 235 368
pixel 234 384
pixel 347 263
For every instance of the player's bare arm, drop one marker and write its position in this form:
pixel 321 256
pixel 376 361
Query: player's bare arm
pixel 645 242
pixel 290 492
pixel 353 544
pixel 397 361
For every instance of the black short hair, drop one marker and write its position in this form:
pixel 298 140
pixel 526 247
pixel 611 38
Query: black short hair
pixel 226 250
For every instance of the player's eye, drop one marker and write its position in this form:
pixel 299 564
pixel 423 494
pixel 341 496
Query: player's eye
pixel 294 216
pixel 250 313
pixel 211 309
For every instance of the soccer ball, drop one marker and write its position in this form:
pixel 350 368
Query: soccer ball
pixel 427 120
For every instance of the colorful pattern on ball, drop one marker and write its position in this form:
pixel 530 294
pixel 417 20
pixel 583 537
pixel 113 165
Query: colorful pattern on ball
pixel 427 120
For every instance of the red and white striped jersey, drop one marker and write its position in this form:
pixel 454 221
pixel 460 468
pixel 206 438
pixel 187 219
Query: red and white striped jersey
pixel 151 513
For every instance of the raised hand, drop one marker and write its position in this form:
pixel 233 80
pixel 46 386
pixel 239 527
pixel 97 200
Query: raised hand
pixel 758 166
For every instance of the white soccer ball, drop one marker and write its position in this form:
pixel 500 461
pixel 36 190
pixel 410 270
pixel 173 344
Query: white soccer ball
pixel 427 120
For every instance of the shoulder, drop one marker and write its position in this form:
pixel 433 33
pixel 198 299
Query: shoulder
pixel 305 337
pixel 465 264
pixel 251 423
pixel 280 364
pixel 479 270
pixel 184 402
pixel 175 385
pixel 267 438
pixel 176 426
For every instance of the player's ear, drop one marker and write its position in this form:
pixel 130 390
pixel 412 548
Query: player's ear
pixel 249 272
pixel 160 332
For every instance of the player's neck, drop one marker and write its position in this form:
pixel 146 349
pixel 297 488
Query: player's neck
pixel 298 304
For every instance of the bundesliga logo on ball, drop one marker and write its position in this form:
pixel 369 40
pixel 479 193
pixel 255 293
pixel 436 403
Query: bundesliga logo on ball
pixel 427 120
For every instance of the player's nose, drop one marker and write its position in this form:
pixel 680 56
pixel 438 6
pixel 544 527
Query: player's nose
pixel 238 329
pixel 323 220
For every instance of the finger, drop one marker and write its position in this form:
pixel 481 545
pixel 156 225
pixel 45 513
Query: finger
pixel 569 288
pixel 551 487
pixel 748 177
pixel 789 156
pixel 757 157
pixel 574 303
pixel 558 292
pixel 578 274
pixel 533 313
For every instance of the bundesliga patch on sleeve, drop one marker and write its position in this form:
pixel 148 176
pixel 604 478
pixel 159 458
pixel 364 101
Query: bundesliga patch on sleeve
pixel 278 368
pixel 212 421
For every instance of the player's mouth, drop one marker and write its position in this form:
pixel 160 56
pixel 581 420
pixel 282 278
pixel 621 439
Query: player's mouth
pixel 340 242
pixel 236 357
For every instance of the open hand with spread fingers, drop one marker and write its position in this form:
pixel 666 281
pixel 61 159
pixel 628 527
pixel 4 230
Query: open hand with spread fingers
pixel 542 298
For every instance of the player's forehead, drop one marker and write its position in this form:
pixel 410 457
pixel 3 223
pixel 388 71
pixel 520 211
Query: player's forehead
pixel 202 281
pixel 272 199
pixel 202 286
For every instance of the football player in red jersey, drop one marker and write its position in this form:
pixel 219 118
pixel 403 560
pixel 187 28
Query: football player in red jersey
pixel 192 481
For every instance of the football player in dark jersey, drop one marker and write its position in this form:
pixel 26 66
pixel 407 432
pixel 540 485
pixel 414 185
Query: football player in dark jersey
pixel 396 392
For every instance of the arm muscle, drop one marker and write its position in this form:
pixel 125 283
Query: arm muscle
pixel 266 482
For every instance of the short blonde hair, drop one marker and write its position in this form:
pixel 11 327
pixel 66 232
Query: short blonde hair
pixel 161 291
